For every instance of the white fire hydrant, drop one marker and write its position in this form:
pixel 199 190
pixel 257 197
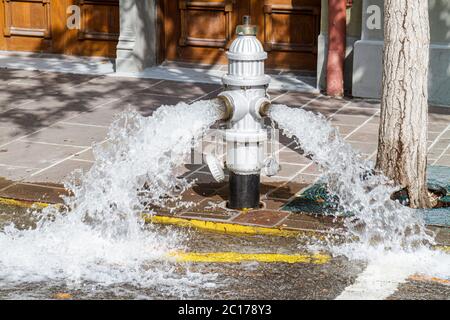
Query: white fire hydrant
pixel 246 100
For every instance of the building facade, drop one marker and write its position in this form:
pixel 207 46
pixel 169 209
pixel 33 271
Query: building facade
pixel 368 51
pixel 144 33
pixel 73 27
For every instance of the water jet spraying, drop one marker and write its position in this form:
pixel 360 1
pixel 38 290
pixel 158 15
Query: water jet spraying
pixel 99 240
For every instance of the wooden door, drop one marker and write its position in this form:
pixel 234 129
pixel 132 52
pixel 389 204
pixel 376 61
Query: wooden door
pixel 200 31
pixel 41 26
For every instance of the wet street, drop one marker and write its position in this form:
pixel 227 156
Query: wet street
pixel 225 267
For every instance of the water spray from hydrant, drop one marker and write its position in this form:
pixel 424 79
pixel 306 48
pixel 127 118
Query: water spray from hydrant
pixel 246 102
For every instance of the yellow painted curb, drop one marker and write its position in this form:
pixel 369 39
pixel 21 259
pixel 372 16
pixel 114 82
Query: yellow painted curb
pixel 212 226
pixel 223 227
pixel 62 296
pixel 236 257
pixel 446 249
pixel 23 204
pixel 424 278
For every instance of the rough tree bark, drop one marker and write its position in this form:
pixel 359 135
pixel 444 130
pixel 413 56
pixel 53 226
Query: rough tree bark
pixel 402 148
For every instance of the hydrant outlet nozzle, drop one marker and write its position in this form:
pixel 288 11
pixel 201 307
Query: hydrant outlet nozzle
pixel 226 107
pixel 265 108
pixel 237 105
pixel 260 107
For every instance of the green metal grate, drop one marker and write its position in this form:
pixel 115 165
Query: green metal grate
pixel 316 200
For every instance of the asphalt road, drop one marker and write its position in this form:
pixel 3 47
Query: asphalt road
pixel 241 267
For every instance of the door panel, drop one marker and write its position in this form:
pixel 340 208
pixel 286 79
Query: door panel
pixel 290 32
pixel 99 20
pixel 26 25
pixel 201 31
pixel 20 21
pixel 99 29
pixel 218 18
pixel 40 26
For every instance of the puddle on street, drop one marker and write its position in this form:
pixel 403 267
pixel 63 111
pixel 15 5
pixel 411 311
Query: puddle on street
pixel 243 280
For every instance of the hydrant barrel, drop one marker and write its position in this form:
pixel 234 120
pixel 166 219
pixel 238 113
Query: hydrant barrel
pixel 245 102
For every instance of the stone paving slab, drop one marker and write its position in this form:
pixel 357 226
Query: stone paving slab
pixel 171 71
pixel 48 122
pixel 35 154
pixel 55 62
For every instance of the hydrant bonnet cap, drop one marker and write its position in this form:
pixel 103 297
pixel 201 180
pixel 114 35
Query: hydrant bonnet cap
pixel 246 29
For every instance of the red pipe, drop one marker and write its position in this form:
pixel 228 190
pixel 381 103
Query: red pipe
pixel 337 25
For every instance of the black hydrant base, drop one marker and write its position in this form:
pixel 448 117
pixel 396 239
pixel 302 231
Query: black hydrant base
pixel 244 191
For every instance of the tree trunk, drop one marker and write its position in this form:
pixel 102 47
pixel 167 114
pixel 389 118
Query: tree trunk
pixel 402 148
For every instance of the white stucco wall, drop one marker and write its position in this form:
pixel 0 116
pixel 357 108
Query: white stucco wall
pixel 368 52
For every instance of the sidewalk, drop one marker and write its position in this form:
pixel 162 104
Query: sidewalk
pixel 49 121
pixel 186 72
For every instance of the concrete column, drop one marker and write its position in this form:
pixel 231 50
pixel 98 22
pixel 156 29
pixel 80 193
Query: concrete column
pixel 322 50
pixel 368 53
pixel 136 49
pixel 125 61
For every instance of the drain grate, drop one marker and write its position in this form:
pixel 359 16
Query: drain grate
pixel 316 200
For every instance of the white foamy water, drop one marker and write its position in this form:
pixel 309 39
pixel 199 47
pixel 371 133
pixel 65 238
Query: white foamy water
pixel 391 237
pixel 386 270
pixel 100 237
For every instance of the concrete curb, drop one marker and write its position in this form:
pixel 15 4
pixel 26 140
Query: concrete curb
pixel 228 228
pixel 212 226
pixel 206 225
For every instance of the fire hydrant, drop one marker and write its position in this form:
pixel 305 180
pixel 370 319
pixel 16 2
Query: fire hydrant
pixel 247 102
